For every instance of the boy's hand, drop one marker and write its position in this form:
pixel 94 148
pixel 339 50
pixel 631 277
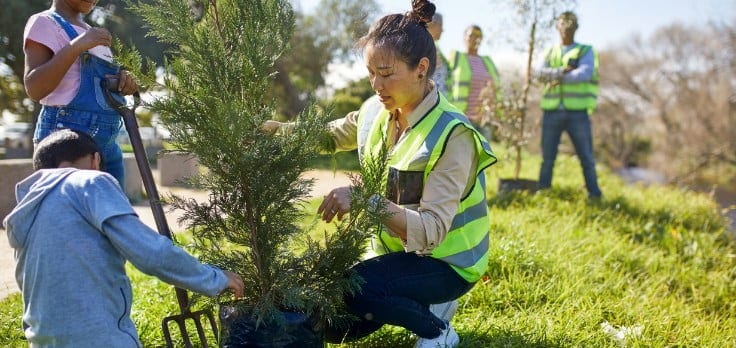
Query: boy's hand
pixel 92 38
pixel 234 283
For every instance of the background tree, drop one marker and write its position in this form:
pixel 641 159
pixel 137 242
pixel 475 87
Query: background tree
pixel 349 98
pixel 668 103
pixel 510 114
pixel 12 95
pixel 324 37
pixel 340 103
pixel 250 222
pixel 129 28
pixel 13 19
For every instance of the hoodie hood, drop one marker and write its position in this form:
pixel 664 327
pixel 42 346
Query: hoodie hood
pixel 29 194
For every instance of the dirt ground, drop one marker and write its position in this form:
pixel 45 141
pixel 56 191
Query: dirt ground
pixel 325 180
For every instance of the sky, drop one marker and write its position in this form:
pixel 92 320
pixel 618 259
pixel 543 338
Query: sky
pixel 602 23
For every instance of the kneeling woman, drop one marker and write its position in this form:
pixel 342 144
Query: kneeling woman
pixel 435 245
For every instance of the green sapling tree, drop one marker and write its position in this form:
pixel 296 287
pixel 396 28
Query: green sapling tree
pixel 217 82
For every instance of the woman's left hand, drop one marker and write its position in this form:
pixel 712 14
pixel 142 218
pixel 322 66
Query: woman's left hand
pixel 336 203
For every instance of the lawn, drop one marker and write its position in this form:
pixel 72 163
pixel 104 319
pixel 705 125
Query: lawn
pixel 643 267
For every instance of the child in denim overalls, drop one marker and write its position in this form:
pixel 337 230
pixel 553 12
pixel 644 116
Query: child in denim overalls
pixel 63 71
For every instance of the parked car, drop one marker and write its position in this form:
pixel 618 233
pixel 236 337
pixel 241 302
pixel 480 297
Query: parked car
pixel 162 131
pixel 16 135
pixel 149 137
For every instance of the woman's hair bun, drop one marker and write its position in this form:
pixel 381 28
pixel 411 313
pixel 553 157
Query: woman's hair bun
pixel 422 11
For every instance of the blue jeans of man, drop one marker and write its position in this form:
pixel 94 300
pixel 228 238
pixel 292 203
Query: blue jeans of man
pixel 398 289
pixel 577 125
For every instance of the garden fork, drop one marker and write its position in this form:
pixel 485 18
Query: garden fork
pixel 131 125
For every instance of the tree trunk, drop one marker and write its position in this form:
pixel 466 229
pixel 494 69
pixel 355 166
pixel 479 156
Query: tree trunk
pixel 525 97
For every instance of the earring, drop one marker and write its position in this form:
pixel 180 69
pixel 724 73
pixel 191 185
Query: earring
pixel 421 76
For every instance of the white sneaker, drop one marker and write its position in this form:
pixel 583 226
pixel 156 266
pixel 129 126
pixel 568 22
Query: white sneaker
pixel 444 311
pixel 447 339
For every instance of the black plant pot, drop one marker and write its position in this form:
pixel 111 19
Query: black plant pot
pixel 238 330
pixel 510 185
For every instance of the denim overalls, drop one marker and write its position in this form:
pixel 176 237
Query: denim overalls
pixel 88 112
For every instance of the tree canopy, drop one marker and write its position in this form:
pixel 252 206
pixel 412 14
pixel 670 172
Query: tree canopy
pixel 321 38
pixel 12 22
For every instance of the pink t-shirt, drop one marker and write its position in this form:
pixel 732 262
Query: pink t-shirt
pixel 42 28
pixel 479 80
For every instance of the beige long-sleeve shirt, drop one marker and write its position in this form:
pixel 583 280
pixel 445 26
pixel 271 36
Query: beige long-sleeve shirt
pixel 428 222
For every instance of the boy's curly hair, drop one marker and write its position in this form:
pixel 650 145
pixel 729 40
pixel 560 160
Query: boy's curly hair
pixel 63 145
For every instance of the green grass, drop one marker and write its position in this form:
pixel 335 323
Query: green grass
pixel 11 334
pixel 342 161
pixel 657 259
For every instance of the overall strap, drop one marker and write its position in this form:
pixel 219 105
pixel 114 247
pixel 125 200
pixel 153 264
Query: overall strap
pixel 65 25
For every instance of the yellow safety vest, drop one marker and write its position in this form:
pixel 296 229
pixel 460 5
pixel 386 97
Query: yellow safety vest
pixel 458 81
pixel 572 96
pixel 465 247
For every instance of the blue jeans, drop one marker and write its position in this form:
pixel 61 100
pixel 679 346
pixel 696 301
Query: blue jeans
pixel 398 289
pixel 577 126
pixel 101 127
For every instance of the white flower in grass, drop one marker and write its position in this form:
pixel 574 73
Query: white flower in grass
pixel 621 333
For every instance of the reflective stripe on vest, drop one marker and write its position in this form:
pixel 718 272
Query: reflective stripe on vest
pixel 465 247
pixel 572 96
pixel 369 111
pixel 460 76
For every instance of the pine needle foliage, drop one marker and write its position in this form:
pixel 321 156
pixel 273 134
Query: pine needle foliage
pixel 217 80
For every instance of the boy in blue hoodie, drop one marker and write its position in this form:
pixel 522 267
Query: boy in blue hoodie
pixel 72 231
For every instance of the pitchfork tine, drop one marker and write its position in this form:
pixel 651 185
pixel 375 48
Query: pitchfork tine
pixel 200 331
pixel 180 320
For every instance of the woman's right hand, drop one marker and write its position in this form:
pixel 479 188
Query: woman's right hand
pixel 92 38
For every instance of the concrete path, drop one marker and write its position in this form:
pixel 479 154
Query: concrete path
pixel 7 268
pixel 325 181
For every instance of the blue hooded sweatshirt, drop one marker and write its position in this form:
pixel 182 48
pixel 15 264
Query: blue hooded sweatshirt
pixel 72 232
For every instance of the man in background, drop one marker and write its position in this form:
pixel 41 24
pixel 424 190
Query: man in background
pixel 570 74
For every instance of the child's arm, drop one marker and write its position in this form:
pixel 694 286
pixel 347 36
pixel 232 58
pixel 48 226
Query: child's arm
pixel 44 69
pixel 103 204
pixel 156 255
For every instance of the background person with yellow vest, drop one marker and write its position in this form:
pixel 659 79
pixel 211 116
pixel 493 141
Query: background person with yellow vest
pixel 570 73
pixel 441 72
pixel 470 75
pixel 434 245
